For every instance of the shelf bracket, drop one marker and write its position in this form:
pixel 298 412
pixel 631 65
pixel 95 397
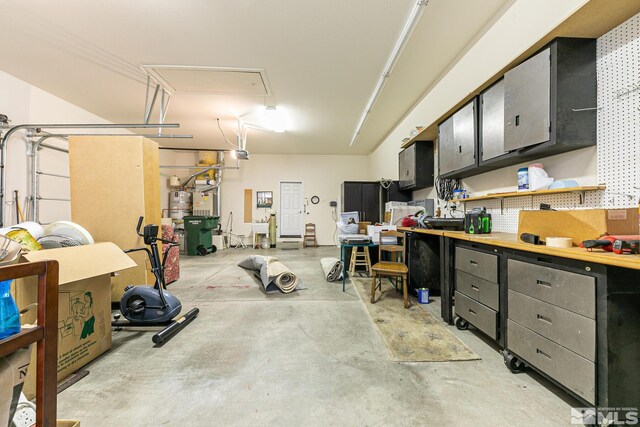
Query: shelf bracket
pixel 501 205
pixel 581 197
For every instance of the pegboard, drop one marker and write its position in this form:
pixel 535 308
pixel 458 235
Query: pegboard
pixel 618 135
pixel 618 150
pixel 505 218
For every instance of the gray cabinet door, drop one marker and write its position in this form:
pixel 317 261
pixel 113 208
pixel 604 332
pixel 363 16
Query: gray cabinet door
pixel 492 124
pixel 464 135
pixel 457 140
pixel 446 156
pixel 527 102
pixel 407 167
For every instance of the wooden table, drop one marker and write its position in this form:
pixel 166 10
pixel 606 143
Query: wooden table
pixel 511 241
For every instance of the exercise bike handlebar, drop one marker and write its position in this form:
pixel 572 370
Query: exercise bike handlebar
pixel 138 249
pixel 140 220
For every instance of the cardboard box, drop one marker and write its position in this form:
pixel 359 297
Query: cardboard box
pixel 579 225
pixel 362 227
pixel 84 306
pixel 114 181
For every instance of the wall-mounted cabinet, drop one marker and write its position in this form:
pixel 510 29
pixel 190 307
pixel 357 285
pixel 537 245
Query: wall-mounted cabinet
pixel 548 106
pixel 457 142
pixel 542 107
pixel 416 166
pixel 492 122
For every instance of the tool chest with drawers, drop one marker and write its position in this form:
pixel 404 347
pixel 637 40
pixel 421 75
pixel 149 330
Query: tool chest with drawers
pixel 477 289
pixel 577 323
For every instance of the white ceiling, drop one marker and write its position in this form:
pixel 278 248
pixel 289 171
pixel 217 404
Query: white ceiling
pixel 321 58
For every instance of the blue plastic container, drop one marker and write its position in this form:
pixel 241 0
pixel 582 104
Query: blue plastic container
pixel 523 179
pixel 423 295
pixel 9 314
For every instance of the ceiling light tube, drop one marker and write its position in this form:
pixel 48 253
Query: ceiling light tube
pixel 409 26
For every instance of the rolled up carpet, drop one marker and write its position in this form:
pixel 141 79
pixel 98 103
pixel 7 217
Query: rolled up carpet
pixel 273 274
pixel 332 268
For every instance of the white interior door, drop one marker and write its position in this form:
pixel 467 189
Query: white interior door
pixel 291 209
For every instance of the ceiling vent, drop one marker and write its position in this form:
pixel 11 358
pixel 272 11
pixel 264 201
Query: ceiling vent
pixel 210 80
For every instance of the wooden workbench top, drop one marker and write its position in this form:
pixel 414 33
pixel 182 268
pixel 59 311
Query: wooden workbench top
pixel 511 241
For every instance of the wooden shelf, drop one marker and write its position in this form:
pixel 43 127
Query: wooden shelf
pixel 20 340
pixel 418 137
pixel 45 334
pixel 507 195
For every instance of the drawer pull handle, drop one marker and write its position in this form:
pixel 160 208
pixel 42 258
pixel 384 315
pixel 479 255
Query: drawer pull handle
pixel 544 319
pixel 543 353
pixel 543 283
pixel 472 312
pixel 474 263
pixel 475 288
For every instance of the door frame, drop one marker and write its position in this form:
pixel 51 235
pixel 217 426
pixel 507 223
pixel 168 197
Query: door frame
pixel 279 233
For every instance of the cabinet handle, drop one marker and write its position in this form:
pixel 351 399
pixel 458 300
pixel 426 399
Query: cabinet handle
pixel 543 353
pixel 459 148
pixel 543 283
pixel 475 288
pixel 472 312
pixel 474 263
pixel 518 120
pixel 544 319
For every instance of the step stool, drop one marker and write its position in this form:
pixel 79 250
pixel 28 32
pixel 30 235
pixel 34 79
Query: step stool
pixel 359 258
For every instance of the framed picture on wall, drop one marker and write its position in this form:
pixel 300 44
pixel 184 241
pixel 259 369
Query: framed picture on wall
pixel 265 199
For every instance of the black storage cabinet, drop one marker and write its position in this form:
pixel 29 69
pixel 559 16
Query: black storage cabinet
pixel 535 106
pixel 416 166
pixel 362 197
pixel 542 107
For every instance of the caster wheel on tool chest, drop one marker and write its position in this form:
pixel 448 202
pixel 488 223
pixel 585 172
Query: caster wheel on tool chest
pixel 514 364
pixel 462 324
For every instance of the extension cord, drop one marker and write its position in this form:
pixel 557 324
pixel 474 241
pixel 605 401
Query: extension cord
pixel 25 415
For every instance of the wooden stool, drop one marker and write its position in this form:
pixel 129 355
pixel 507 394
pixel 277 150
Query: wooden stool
pixel 360 258
pixel 310 236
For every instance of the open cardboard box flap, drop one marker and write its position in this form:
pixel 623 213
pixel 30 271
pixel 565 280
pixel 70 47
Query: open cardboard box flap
pixel 83 262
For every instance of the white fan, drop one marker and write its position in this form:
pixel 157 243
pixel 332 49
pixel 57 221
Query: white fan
pixel 69 229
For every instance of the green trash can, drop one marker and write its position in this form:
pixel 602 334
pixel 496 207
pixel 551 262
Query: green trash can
pixel 198 230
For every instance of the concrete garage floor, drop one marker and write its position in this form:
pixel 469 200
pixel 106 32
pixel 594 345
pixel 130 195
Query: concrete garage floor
pixel 312 357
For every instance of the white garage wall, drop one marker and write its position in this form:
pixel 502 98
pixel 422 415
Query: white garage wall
pixel 320 174
pixel 24 103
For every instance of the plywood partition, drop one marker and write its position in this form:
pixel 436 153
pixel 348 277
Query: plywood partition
pixel 115 180
pixel 248 205
pixel 579 225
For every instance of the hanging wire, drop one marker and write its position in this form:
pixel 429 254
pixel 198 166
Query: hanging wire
pixel 224 136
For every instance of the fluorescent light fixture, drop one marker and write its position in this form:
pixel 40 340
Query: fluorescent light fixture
pixel 408 28
pixel 275 119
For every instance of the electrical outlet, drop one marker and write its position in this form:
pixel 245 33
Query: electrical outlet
pixel 25 415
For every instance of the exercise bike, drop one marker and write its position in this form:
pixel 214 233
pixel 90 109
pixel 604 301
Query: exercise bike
pixel 144 305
